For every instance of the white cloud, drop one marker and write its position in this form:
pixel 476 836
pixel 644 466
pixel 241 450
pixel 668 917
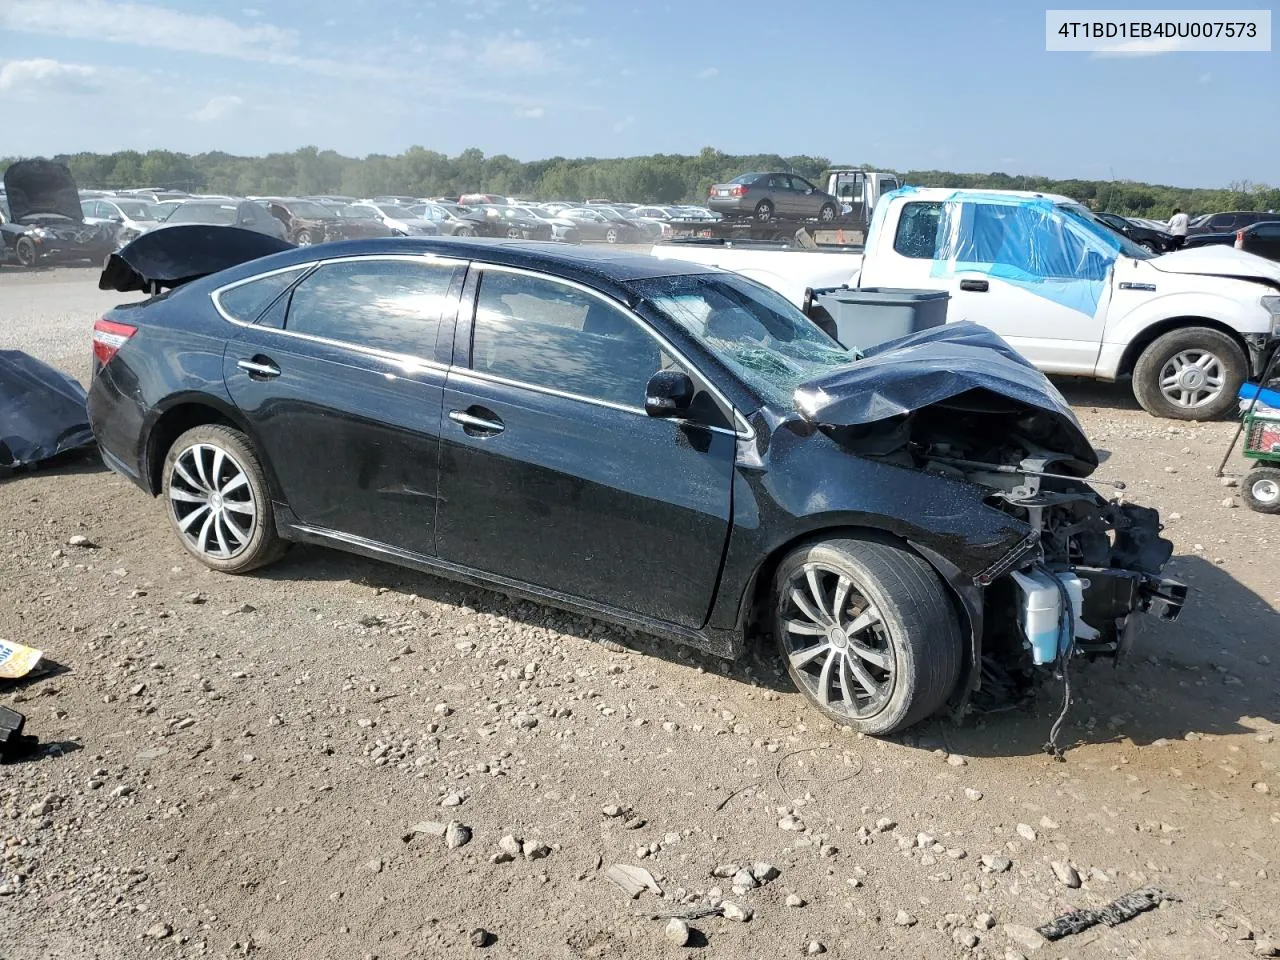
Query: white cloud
pixel 217 108
pixel 31 76
pixel 533 113
pixel 706 73
pixel 1153 47
pixel 151 26
pixel 515 54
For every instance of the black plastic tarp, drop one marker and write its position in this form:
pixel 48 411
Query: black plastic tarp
pixel 171 256
pixel 42 411
pixel 964 365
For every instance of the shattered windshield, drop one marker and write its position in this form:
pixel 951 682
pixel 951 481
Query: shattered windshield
pixel 758 334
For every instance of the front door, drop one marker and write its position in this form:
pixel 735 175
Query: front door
pixel 342 386
pixel 552 474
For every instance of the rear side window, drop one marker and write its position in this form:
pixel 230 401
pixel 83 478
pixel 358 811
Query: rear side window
pixel 917 235
pixel 246 302
pixel 1223 221
pixel 540 332
pixel 393 306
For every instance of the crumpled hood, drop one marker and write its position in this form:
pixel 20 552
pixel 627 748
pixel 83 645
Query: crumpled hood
pixel 1219 261
pixel 42 186
pixel 171 256
pixel 961 365
pixel 42 411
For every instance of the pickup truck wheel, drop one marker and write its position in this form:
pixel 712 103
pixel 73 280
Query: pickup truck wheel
pixel 1261 489
pixel 1190 374
pixel 764 211
pixel 867 632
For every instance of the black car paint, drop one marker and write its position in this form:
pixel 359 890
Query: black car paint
pixel 1262 238
pixel 1158 241
pixel 673 542
pixel 323 229
pixel 44 218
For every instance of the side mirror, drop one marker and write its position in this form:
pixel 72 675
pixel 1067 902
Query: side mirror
pixel 668 394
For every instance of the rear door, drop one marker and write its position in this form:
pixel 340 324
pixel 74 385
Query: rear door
pixel 553 475
pixel 341 380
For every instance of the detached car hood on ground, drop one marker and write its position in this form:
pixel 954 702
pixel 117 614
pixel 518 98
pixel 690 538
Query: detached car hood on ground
pixel 962 366
pixel 1219 261
pixel 171 256
pixel 42 411
pixel 42 186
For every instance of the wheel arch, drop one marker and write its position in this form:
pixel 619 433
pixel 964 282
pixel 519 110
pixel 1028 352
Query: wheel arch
pixel 179 414
pixel 1155 331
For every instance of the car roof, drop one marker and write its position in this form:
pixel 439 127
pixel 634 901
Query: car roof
pixel 593 266
pixel 956 193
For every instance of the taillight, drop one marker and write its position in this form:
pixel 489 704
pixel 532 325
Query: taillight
pixel 1239 239
pixel 108 337
pixel 739 190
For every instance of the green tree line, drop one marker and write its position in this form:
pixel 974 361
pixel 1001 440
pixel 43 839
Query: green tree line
pixel 659 178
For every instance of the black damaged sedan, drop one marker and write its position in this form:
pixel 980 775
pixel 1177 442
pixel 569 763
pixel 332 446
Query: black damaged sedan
pixel 667 447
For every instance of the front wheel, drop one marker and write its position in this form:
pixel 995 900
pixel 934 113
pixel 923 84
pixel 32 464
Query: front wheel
pixel 611 235
pixel 1193 373
pixel 305 239
pixel 764 211
pixel 1261 489
pixel 218 500
pixel 867 631
pixel 25 251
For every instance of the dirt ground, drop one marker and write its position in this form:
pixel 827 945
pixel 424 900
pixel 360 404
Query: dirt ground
pixel 236 766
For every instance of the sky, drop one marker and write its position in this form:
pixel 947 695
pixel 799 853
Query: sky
pixel 925 85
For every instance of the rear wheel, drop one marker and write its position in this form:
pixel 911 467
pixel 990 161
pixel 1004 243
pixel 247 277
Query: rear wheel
pixel 218 501
pixel 25 251
pixel 867 632
pixel 1190 374
pixel 464 232
pixel 827 213
pixel 513 233
pixel 1261 489
pixel 611 235
pixel 764 211
pixel 305 239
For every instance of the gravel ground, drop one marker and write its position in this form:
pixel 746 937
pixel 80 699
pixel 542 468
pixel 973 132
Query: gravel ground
pixel 335 758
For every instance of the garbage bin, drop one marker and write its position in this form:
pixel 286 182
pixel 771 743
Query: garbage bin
pixel 866 316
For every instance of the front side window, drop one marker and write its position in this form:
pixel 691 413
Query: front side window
pixel 540 332
pixel 393 306
pixel 248 300
pixel 917 235
pixel 758 334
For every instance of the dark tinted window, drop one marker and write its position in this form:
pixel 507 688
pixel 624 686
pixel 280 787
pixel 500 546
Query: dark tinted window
pixel 389 305
pixel 541 332
pixel 917 234
pixel 222 214
pixel 1222 221
pixel 1264 231
pixel 798 183
pixel 247 301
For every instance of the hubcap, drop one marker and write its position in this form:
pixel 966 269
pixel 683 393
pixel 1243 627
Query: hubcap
pixel 1192 378
pixel 837 642
pixel 304 239
pixel 212 501
pixel 1266 490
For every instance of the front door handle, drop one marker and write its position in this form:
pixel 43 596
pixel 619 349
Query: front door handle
pixel 974 286
pixel 259 368
pixel 475 425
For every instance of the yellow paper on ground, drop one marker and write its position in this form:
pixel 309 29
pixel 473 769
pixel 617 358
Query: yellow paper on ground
pixel 17 660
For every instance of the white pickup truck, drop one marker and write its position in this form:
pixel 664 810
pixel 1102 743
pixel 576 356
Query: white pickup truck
pixel 1061 287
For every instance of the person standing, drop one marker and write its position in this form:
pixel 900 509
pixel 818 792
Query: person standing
pixel 1178 228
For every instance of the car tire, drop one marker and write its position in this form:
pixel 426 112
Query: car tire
pixel 827 213
pixel 305 239
pixel 464 232
pixel 764 211
pixel 1261 489
pixel 25 252
pixel 1149 246
pixel 1165 384
pixel 218 501
pixel 904 661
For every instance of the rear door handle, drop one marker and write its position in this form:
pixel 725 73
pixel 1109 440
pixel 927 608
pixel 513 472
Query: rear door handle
pixel 974 286
pixel 259 368
pixel 473 424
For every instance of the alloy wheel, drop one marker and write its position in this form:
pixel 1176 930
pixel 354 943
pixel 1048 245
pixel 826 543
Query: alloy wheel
pixel 1192 378
pixel 837 642
pixel 212 501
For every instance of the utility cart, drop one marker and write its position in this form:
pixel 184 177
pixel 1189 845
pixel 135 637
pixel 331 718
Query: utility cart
pixel 1261 485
